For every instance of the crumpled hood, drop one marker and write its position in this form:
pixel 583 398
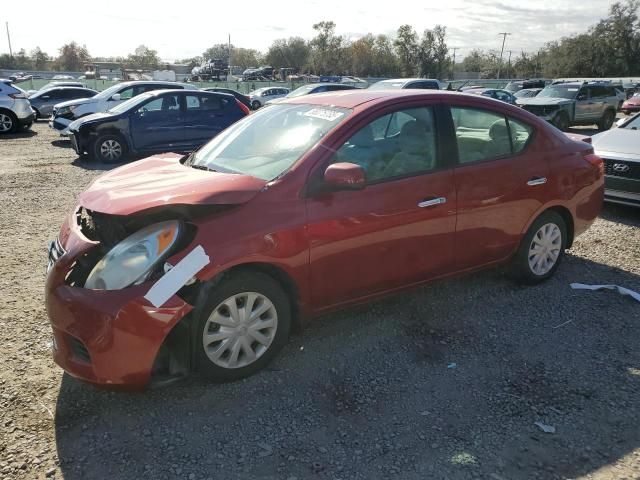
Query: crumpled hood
pixel 162 180
pixel 75 125
pixel 80 101
pixel 623 142
pixel 544 101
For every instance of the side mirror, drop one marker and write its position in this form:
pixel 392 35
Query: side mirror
pixel 116 97
pixel 345 176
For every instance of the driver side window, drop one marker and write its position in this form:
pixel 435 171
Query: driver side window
pixel 395 145
pixel 126 94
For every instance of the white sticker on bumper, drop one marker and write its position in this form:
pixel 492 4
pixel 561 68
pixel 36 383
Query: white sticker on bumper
pixel 177 277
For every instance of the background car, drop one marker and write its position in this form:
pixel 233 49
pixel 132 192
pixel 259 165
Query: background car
pixel 517 85
pixel 156 121
pixel 632 104
pixel 66 112
pixel 620 149
pixel 495 93
pixel 304 207
pixel 575 103
pixel 402 83
pixel 239 96
pixel 261 96
pixel 43 101
pixel 15 110
pixel 315 88
pixel 527 92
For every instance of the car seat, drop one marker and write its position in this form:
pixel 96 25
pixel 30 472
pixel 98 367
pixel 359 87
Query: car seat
pixel 499 143
pixel 417 150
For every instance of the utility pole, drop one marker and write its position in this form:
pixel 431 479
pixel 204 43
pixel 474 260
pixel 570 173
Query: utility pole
pixel 453 67
pixel 229 66
pixel 9 39
pixel 504 38
pixel 509 63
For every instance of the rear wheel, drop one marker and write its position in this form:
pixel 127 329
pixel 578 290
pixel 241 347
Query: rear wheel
pixel 241 327
pixel 255 105
pixel 110 149
pixel 8 122
pixel 607 119
pixel 561 121
pixel 541 250
pixel 35 119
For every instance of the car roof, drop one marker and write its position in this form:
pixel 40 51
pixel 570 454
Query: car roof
pixel 354 98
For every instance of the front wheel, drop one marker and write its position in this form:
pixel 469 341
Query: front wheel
pixel 606 121
pixel 109 149
pixel 541 250
pixel 561 121
pixel 8 122
pixel 241 326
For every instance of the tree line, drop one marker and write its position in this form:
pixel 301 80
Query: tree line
pixel 609 48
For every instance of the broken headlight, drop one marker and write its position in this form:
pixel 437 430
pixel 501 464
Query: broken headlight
pixel 132 260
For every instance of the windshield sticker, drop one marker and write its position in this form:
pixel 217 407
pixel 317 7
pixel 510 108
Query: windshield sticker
pixel 572 89
pixel 323 114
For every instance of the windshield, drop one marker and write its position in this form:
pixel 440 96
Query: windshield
pixel 514 86
pixel 633 123
pixel 267 143
pixel 524 94
pixel 109 91
pixel 386 84
pixel 131 103
pixel 298 92
pixel 559 91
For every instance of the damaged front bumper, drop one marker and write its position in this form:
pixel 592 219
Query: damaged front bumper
pixel 105 337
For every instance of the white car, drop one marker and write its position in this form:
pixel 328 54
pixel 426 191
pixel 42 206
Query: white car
pixel 15 109
pixel 262 95
pixel 66 112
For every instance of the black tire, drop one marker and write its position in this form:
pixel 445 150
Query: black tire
pixel 101 154
pixel 255 105
pixel 8 122
pixel 561 121
pixel 520 269
pixel 212 301
pixel 607 120
pixel 35 119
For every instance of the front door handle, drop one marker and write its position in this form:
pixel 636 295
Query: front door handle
pixel 537 181
pixel 432 202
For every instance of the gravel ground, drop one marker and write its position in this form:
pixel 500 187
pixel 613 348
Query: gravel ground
pixel 446 382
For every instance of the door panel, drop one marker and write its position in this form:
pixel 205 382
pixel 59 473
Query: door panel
pixel 157 124
pixel 205 116
pixel 397 231
pixel 378 239
pixel 495 200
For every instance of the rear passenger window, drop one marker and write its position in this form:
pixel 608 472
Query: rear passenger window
pixel 481 135
pixel 520 134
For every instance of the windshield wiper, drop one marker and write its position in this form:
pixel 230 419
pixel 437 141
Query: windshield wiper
pixel 202 167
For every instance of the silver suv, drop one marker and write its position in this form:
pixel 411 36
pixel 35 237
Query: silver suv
pixel 575 103
pixel 15 109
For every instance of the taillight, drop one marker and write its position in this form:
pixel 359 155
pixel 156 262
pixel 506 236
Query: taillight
pixel 243 107
pixel 18 96
pixel 596 161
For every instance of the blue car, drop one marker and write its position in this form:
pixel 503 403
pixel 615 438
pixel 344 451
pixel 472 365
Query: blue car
pixel 155 122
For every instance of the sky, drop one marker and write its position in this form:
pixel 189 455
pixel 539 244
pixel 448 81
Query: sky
pixel 177 30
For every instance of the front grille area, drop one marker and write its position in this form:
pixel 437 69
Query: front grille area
pixel 80 352
pixel 622 169
pixel 540 110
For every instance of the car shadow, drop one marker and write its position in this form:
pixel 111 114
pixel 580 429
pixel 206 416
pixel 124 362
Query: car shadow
pixel 20 134
pixel 449 378
pixel 624 214
pixel 86 164
pixel 61 143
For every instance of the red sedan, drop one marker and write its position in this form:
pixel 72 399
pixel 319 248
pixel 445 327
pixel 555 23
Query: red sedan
pixel 207 262
pixel 631 105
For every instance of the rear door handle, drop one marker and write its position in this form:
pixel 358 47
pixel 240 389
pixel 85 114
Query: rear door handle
pixel 537 181
pixel 432 202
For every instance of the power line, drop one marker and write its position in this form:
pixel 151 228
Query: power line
pixel 504 38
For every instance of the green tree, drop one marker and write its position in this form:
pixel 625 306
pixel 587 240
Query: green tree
pixel 327 49
pixel 220 51
pixel 362 55
pixel 39 59
pixel 288 53
pixel 143 58
pixel 72 57
pixel 407 49
pixel 386 61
